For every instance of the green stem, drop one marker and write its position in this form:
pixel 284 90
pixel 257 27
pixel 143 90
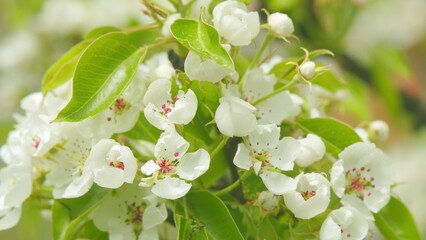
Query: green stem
pixel 142 28
pixel 233 185
pixel 283 88
pixel 268 39
pixel 219 147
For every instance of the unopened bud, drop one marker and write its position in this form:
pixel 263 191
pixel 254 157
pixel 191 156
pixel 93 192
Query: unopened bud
pixel 281 24
pixel 308 70
pixel 378 130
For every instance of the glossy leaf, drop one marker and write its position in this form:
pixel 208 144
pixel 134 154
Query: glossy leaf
pixel 395 222
pixel 63 70
pixel 104 71
pixel 97 32
pixel 143 130
pixel 212 212
pixel 69 214
pixel 336 135
pixel 202 39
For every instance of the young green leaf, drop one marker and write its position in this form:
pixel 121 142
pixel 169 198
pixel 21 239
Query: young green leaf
pixel 212 212
pixel 336 135
pixel 395 222
pixel 64 68
pixel 97 32
pixel 202 39
pixel 104 71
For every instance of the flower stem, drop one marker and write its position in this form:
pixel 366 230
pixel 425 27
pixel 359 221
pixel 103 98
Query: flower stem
pixel 268 39
pixel 219 147
pixel 283 88
pixel 233 185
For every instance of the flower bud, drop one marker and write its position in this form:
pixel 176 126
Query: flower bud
pixel 308 70
pixel 378 130
pixel 268 201
pixel 234 23
pixel 165 30
pixel 281 24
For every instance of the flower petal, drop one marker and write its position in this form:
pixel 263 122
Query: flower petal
pixel 278 183
pixel 185 108
pixel 242 158
pixel 171 188
pixel 192 165
pixel 149 167
pixel 285 153
pixel 170 145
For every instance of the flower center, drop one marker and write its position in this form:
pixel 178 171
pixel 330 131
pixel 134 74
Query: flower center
pixel 134 216
pixel 262 157
pixel 169 106
pixel 308 194
pixel 166 165
pixel 357 183
pixel 118 107
pixel 36 142
pixel 117 164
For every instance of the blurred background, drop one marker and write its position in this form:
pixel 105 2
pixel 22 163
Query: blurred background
pixel 380 48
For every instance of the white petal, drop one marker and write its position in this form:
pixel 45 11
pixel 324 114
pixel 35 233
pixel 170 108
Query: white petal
pixel 242 158
pixel 78 187
pixel 185 108
pixel 154 216
pixel 338 181
pixel 330 230
pixel 156 118
pixel 171 188
pixel 353 201
pixel 9 217
pixel 149 234
pixel 256 84
pixel 170 145
pixel 378 199
pixel 278 183
pixel 158 93
pixel 192 165
pixel 312 149
pixel 198 68
pixel 234 117
pixel 149 167
pixel 264 137
pixel 285 153
pixel 277 108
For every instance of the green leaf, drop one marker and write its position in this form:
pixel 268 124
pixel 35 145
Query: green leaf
pixel 143 130
pixel 202 39
pixel 64 68
pixel 395 222
pixel 212 212
pixel 68 215
pixel 104 71
pixel 336 135
pixel 97 32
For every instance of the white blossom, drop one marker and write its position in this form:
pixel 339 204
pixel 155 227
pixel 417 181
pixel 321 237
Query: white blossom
pixel 344 223
pixel 131 213
pixel 111 163
pixel 281 24
pixel 162 110
pixel 267 155
pixel 9 217
pixel 256 84
pixel 235 117
pixel 379 130
pixel 307 70
pixel 203 69
pixel 234 23
pixel 363 171
pixel 268 201
pixel 311 196
pixel 156 67
pixel 313 149
pixel 173 166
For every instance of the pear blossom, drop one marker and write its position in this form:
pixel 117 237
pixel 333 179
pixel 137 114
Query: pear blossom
pixel 379 130
pixel 235 117
pixel 111 163
pixel 284 105
pixel 156 67
pixel 165 30
pixel 268 155
pixel 162 110
pixel 307 70
pixel 131 213
pixel 9 217
pixel 311 196
pixel 15 185
pixel 313 149
pixel 281 24
pixel 268 201
pixel 203 69
pixel 234 23
pixel 344 223
pixel 173 165
pixel 363 171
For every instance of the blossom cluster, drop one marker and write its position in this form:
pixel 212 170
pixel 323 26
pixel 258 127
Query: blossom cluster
pixel 256 107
